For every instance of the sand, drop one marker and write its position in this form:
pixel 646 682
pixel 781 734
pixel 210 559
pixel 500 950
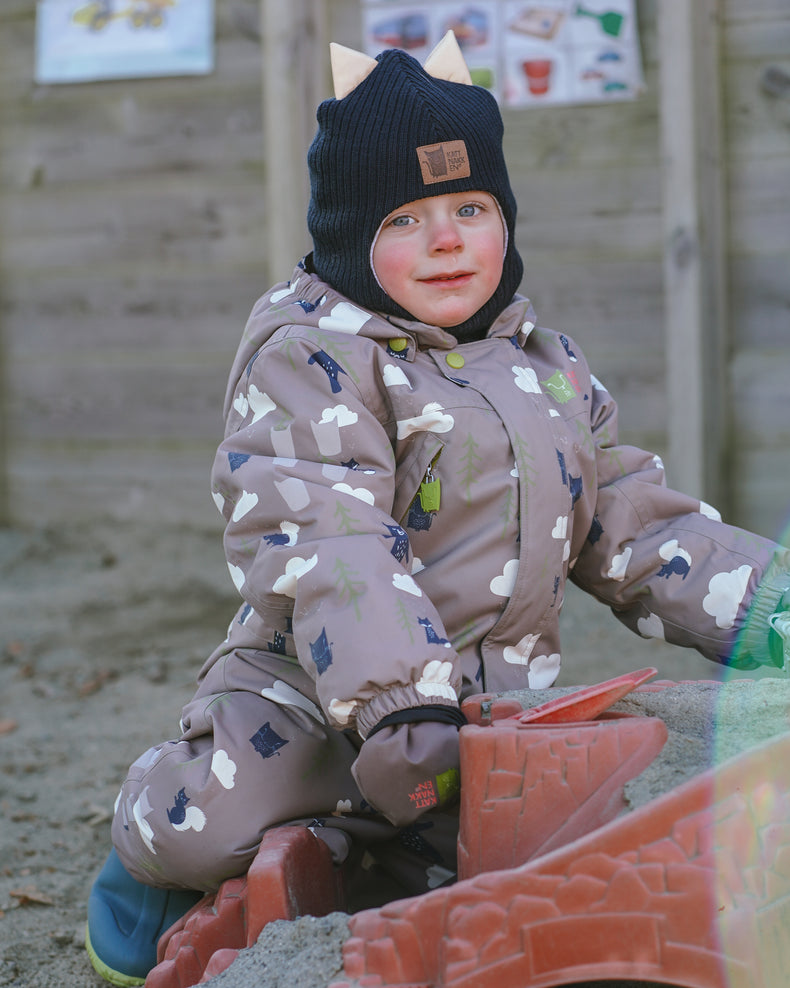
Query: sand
pixel 102 631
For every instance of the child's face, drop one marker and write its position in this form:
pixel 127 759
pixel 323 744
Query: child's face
pixel 441 258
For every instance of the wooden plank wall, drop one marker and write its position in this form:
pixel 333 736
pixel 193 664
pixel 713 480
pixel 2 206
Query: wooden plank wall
pixel 132 245
pixel 757 38
pixel 588 184
pixel 131 252
pixel 589 187
pixel 694 222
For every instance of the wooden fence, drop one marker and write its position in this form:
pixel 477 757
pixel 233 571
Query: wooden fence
pixel 140 219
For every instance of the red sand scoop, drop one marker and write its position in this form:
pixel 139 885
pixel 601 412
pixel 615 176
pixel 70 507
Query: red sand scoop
pixel 586 703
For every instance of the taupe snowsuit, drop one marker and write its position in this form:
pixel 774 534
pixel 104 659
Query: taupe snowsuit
pixel 402 515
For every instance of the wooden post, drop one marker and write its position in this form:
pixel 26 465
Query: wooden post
pixel 5 484
pixel 5 499
pixel 294 82
pixel 695 244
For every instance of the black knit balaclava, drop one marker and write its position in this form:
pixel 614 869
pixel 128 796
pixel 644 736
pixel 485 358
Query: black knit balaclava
pixel 402 135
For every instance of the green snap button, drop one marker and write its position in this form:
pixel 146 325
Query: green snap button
pixel 398 344
pixel 455 360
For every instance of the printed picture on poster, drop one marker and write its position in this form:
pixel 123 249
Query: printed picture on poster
pixel 527 54
pixel 83 40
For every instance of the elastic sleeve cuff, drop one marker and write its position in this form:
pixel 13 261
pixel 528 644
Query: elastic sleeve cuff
pixel 437 713
pixel 393 700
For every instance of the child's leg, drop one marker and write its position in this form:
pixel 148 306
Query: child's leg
pixel 192 812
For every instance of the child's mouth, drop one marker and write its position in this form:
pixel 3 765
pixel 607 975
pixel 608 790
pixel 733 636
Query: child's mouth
pixel 459 277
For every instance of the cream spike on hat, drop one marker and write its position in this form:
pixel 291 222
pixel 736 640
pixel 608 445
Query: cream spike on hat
pixel 350 67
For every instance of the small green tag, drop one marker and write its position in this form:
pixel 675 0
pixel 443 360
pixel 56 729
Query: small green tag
pixel 448 785
pixel 430 494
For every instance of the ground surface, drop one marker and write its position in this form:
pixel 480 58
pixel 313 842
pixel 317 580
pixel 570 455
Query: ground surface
pixel 102 631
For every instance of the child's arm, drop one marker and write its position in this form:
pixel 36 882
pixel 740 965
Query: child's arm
pixel 668 566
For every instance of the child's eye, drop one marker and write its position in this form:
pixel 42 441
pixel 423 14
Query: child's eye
pixel 401 221
pixel 469 209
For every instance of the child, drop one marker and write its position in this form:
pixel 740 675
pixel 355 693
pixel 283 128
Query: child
pixel 411 471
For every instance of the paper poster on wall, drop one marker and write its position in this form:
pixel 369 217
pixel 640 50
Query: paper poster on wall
pixel 83 40
pixel 527 54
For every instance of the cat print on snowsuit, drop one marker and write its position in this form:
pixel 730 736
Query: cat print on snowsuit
pixel 266 741
pixel 177 814
pixel 321 652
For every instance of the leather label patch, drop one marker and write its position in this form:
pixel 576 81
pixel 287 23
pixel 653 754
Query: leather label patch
pixel 443 162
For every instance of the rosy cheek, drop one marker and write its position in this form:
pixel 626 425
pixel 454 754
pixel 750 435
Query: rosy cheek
pixel 388 264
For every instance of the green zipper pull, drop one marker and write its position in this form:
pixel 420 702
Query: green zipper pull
pixel 430 491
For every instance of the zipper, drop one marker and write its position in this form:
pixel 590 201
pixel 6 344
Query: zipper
pixel 430 490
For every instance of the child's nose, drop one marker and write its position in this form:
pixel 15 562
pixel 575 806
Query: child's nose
pixel 446 236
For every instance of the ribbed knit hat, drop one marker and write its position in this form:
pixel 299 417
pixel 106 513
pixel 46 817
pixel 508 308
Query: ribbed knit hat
pixel 402 135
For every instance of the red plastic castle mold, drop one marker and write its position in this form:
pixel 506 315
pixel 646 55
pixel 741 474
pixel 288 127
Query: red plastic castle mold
pixel 556 886
pixel 292 875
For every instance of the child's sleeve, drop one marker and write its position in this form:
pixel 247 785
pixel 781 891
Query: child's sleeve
pixel 667 565
pixel 305 479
